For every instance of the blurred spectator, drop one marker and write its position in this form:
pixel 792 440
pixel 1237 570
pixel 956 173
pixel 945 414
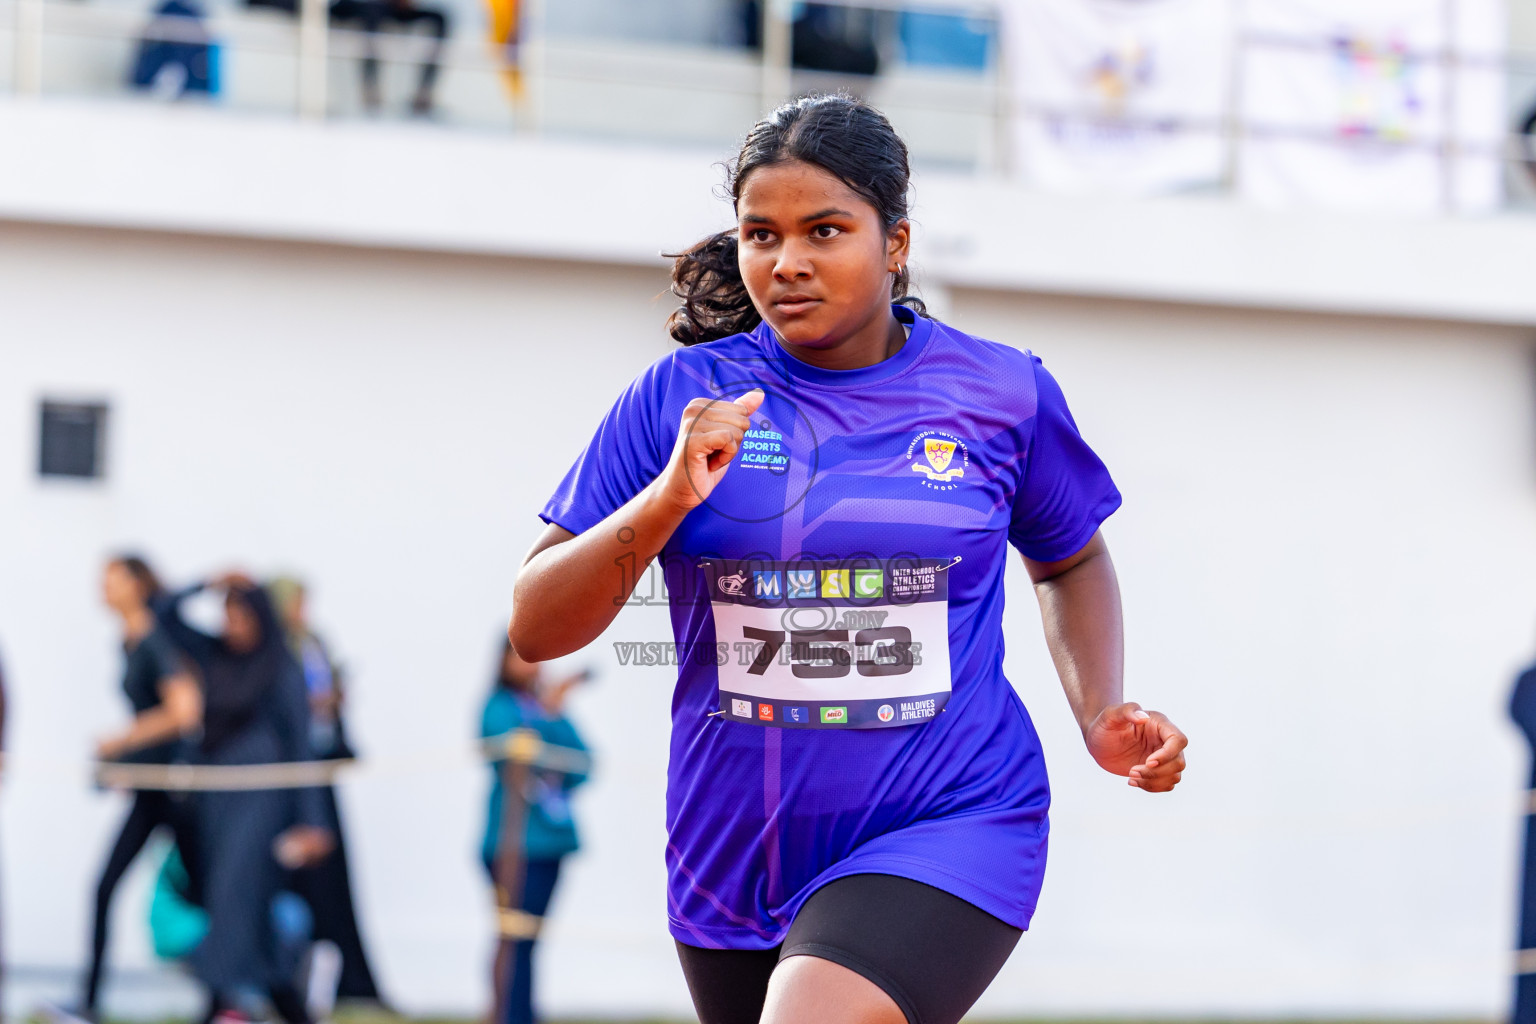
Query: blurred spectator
pixel 167 705
pixel 322 675
pixel 1528 141
pixel 372 15
pixel 176 55
pixel 177 921
pixel 942 40
pixel 2 767
pixel 178 924
pixel 527 864
pixel 2 715
pixel 255 712
pixel 826 37
pixel 1522 708
pixel 328 885
pixel 506 31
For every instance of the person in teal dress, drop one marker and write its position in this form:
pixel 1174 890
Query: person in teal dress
pixel 521 699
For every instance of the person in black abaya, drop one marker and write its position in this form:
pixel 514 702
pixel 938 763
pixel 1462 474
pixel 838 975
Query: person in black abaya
pixel 255 712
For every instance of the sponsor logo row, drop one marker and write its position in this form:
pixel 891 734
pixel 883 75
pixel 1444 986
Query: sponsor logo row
pixel 804 584
pixel 799 714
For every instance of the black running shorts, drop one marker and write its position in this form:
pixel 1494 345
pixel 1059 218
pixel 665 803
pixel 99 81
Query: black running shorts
pixel 933 953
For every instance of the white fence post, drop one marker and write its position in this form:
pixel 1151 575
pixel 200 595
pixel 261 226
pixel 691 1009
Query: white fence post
pixel 1231 125
pixel 1449 67
pixel 997 144
pixel 313 43
pixel 29 47
pixel 777 34
pixel 534 56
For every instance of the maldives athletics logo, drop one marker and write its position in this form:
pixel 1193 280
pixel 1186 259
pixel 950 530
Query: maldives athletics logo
pixel 944 459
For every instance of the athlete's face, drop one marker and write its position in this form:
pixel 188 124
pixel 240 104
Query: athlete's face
pixel 818 264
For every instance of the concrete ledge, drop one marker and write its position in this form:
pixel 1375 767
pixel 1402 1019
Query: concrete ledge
pixel 425 187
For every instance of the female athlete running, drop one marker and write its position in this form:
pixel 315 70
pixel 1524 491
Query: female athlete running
pixel 856 799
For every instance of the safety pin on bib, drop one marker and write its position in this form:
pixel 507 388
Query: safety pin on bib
pixel 951 565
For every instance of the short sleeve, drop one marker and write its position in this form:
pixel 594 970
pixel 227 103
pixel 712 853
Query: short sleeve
pixel 162 654
pixel 1066 492
pixel 622 458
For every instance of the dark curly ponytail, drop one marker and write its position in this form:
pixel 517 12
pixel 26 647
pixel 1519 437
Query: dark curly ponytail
pixel 715 302
pixel 843 136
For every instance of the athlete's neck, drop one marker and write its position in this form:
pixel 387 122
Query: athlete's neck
pixel 872 344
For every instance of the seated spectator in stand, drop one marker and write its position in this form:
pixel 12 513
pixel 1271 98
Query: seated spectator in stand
pixel 177 57
pixel 825 37
pixel 328 885
pixel 1527 133
pixel 372 15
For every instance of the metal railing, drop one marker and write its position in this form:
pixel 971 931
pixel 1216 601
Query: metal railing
pixel 990 101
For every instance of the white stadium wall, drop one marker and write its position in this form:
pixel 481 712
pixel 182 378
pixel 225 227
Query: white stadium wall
pixel 382 423
pixel 1326 553
pixel 1326 557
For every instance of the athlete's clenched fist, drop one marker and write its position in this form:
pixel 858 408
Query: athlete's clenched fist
pixel 1143 746
pixel 708 439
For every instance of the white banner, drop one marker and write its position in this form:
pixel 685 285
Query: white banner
pixel 1347 103
pixel 1123 96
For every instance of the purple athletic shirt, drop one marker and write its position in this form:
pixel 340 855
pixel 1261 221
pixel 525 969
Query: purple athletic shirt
pixel 837 607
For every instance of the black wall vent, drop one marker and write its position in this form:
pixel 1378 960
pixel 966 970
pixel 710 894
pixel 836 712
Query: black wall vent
pixel 72 439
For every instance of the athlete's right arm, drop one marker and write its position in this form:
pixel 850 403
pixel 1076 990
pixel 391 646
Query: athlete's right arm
pixel 571 586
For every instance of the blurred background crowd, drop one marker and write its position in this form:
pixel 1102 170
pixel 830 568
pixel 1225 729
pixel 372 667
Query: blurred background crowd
pixel 343 285
pixel 252 895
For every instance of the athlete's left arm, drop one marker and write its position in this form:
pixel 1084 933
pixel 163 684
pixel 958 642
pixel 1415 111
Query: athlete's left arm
pixel 1080 607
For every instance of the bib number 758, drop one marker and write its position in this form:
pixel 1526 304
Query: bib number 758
pixel 828 653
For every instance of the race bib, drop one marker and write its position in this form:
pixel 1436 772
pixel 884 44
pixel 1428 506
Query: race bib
pixel 827 645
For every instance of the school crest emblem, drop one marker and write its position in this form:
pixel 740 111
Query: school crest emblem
pixel 944 458
pixel 939 453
